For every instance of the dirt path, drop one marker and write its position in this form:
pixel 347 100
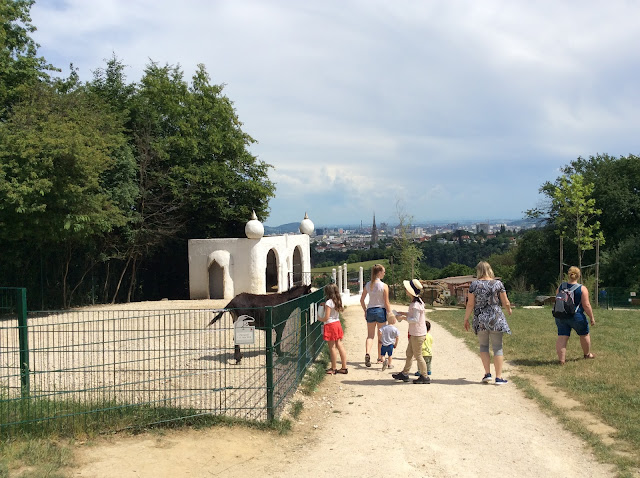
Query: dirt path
pixel 366 424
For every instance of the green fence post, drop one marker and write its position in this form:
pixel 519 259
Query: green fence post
pixel 269 329
pixel 21 307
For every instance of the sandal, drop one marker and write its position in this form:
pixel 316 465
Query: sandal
pixel 367 360
pixel 380 360
pixel 589 356
pixel 342 371
pixel 331 371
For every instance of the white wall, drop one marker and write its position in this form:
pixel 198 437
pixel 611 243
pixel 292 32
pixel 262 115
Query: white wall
pixel 244 262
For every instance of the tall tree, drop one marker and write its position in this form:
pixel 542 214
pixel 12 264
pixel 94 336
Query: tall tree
pixel 576 213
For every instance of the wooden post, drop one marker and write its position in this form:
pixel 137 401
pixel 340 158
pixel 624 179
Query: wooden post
pixel 561 260
pixel 597 269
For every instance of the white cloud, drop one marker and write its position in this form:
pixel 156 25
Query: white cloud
pixel 361 102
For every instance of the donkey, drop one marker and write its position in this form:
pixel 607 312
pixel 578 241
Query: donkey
pixel 254 305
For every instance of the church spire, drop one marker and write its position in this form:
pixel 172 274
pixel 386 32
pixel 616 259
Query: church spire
pixel 374 232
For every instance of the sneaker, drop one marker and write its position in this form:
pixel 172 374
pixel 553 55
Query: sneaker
pixel 486 378
pixel 385 364
pixel 429 372
pixel 390 366
pixel 417 374
pixel 401 376
pixel 422 379
pixel 501 381
pixel 367 360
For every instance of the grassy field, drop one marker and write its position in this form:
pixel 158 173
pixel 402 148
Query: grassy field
pixel 355 267
pixel 608 386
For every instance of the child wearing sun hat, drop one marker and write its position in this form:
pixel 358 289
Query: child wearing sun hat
pixel 417 333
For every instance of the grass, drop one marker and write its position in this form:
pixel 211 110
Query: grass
pixel 608 386
pixel 355 267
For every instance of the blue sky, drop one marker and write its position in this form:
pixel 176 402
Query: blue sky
pixel 436 110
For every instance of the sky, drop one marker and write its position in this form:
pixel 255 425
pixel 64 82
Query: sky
pixel 433 110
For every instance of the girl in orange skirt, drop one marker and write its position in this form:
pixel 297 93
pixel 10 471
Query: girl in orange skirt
pixel 333 333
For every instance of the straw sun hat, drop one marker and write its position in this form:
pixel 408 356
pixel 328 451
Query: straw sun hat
pixel 413 287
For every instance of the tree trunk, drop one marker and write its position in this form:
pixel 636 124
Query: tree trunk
pixel 105 290
pixel 124 269
pixel 132 283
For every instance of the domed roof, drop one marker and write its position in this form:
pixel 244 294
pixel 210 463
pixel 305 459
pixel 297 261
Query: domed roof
pixel 254 228
pixel 306 226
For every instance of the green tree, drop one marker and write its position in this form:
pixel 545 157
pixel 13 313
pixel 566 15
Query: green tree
pixel 537 259
pixel 406 253
pixel 621 265
pixel 616 191
pixel 20 67
pixel 454 269
pixel 55 152
pixel 576 212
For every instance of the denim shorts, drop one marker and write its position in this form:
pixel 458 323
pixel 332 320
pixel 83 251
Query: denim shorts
pixel 377 314
pixel 386 350
pixel 578 323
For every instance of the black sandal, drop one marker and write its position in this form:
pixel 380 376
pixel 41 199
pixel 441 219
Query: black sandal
pixel 331 371
pixel 367 360
pixel 342 371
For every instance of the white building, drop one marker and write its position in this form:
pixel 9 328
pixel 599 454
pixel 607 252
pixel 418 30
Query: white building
pixel 223 268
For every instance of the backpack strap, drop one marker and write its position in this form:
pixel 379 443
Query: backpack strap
pixel 573 288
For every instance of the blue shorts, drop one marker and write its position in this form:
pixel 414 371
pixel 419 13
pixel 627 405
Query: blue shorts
pixel 386 350
pixel 377 314
pixel 578 323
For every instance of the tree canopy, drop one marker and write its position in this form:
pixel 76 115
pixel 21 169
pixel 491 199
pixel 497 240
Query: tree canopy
pixel 102 183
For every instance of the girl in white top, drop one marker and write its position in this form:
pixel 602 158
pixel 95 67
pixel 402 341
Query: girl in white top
pixel 376 311
pixel 333 332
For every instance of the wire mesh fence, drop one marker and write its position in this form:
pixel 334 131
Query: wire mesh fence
pixel 151 366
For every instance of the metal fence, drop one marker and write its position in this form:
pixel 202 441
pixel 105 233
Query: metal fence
pixel 618 297
pixel 141 367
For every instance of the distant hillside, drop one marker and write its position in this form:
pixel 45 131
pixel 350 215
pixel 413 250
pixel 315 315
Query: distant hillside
pixel 288 228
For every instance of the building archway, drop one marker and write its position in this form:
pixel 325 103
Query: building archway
pixel 216 281
pixel 272 272
pixel 297 266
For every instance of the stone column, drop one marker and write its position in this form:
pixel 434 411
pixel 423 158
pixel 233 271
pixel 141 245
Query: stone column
pixel 361 280
pixel 333 277
pixel 346 281
pixel 339 281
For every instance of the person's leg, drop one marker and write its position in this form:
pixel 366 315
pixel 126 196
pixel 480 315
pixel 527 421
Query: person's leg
pixel 407 364
pixel 417 351
pixel 561 347
pixel 483 341
pixel 342 352
pixel 427 359
pixel 498 359
pixel 371 333
pixel 585 343
pixel 332 353
pixel 389 354
pixel 380 325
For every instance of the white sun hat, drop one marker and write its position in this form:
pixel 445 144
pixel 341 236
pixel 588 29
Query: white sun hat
pixel 413 287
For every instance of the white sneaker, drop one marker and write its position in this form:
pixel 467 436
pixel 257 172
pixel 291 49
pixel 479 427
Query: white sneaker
pixel 385 364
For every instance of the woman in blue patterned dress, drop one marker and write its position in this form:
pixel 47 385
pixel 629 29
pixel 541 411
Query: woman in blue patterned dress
pixel 487 296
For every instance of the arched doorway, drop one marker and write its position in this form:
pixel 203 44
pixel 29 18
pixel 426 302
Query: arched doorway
pixel 272 272
pixel 297 266
pixel 216 281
